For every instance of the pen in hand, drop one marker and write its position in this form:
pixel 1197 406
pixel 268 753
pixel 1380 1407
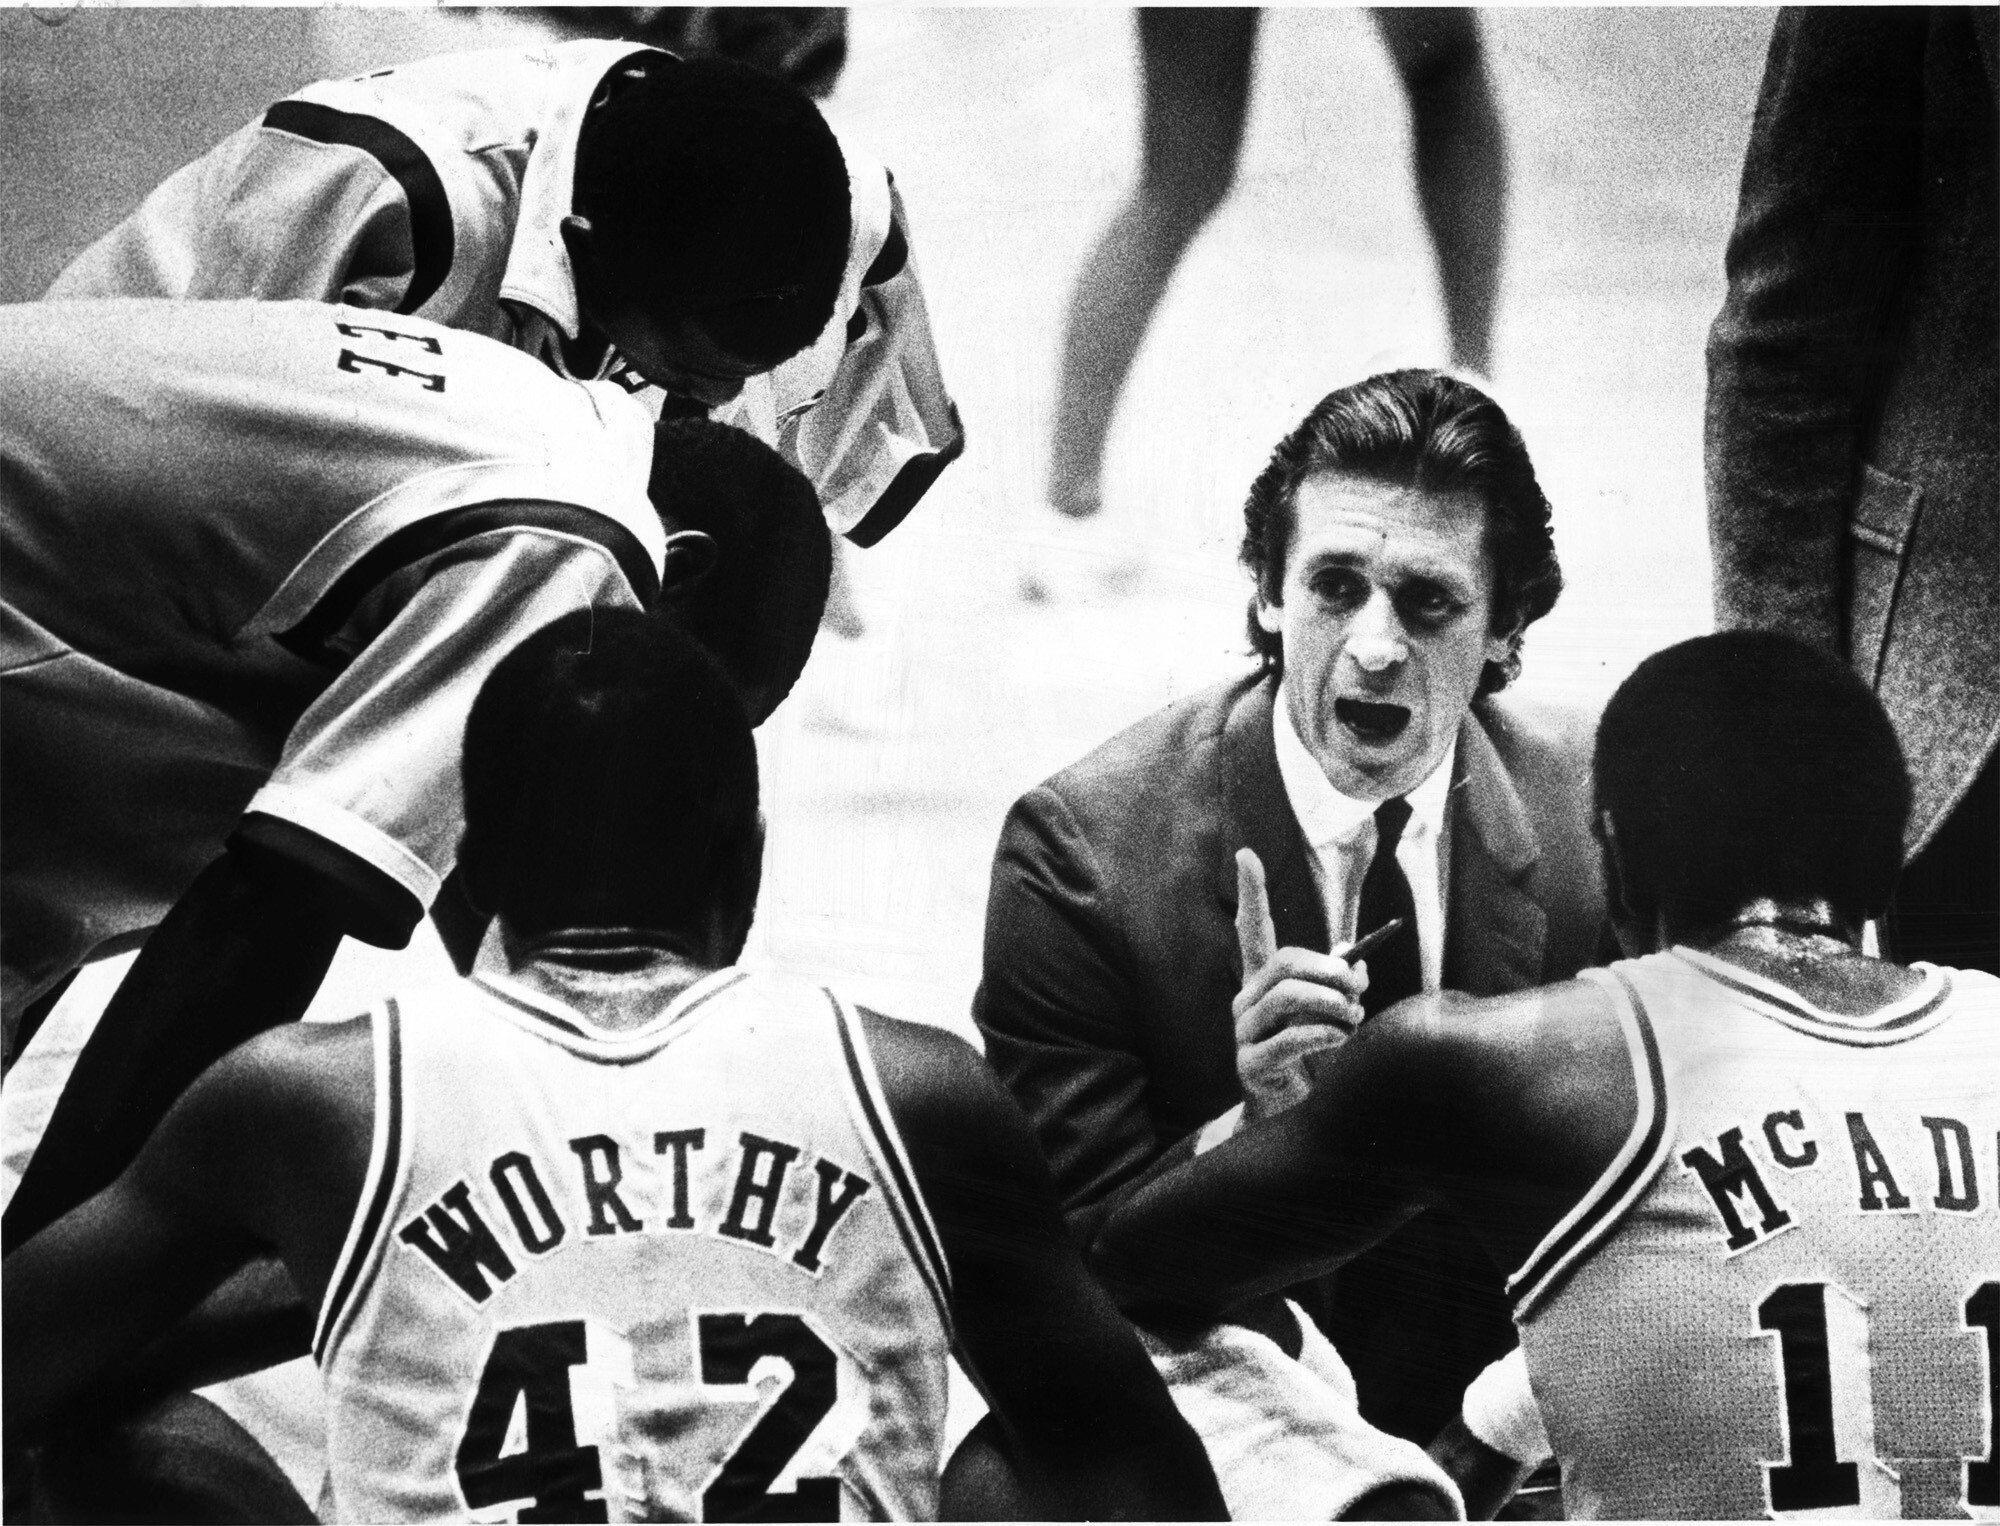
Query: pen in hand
pixel 1363 946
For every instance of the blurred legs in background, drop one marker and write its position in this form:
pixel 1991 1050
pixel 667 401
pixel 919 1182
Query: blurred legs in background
pixel 1197 66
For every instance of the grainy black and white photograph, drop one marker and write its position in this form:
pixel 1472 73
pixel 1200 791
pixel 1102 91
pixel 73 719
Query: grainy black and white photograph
pixel 1066 763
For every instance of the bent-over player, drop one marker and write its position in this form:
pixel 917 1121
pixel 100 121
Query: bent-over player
pixel 255 559
pixel 1745 1184
pixel 614 1230
pixel 689 226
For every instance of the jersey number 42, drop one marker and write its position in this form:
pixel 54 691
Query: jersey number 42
pixel 528 1372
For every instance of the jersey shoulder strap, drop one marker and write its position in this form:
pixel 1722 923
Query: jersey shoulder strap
pixel 1631 1171
pixel 361 1252
pixel 906 1200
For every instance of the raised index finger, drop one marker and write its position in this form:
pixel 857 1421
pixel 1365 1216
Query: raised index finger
pixel 1256 934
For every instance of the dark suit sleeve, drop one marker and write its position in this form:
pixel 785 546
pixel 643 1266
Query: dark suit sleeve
pixel 1057 1011
pixel 1826 228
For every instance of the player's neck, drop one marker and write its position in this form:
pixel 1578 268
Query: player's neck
pixel 1807 947
pixel 617 978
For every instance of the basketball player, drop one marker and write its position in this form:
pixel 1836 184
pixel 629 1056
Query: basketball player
pixel 615 1230
pixel 692 230
pixel 255 559
pixel 1746 1184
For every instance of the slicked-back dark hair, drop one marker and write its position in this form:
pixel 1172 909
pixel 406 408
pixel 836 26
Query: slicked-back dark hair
pixel 610 781
pixel 758 608
pixel 1748 764
pixel 717 194
pixel 1431 432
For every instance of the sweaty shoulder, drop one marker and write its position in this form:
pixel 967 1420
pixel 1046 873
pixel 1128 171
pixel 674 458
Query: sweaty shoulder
pixel 1539 1082
pixel 300 1079
pixel 935 1082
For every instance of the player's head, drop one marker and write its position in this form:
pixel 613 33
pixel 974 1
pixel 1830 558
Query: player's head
pixel 1747 765
pixel 1400 546
pixel 710 222
pixel 757 606
pixel 611 784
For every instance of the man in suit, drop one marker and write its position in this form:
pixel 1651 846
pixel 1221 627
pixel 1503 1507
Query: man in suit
pixel 1854 414
pixel 1401 547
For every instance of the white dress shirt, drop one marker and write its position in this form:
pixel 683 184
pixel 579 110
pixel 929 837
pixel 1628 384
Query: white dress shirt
pixel 1341 834
pixel 1340 831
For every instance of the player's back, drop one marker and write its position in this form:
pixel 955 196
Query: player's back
pixel 1784 1294
pixel 179 480
pixel 659 1274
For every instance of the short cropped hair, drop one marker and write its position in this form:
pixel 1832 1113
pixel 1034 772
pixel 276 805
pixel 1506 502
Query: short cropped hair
pixel 610 782
pixel 758 608
pixel 1744 765
pixel 717 194
pixel 1433 433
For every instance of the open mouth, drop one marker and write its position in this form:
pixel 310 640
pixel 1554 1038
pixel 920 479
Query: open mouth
pixel 1374 724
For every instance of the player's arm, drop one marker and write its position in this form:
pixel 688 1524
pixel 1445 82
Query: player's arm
pixel 89 1293
pixel 1296 1195
pixel 1088 1421
pixel 292 206
pixel 1509 1108
pixel 325 850
pixel 244 949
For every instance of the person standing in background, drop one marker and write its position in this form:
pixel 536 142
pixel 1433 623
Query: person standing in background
pixel 1196 67
pixel 1853 427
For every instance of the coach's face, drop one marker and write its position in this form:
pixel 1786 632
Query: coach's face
pixel 1384 610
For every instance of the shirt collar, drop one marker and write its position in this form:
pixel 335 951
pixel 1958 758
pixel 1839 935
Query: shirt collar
pixel 1325 815
pixel 538 273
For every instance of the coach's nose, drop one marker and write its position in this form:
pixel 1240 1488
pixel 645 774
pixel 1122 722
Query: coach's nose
pixel 1375 635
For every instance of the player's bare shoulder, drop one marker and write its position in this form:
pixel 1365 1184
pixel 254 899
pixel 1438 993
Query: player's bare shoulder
pixel 1537 1085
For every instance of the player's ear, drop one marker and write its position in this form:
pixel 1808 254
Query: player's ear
pixel 735 905
pixel 1630 925
pixel 691 556
pixel 472 876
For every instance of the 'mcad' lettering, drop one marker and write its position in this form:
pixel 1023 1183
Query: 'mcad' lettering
pixel 1872 1167
pixel 736 1223
pixel 451 1233
pixel 839 1190
pixel 1959 1195
pixel 608 1213
pixel 1807 1152
pixel 1736 1173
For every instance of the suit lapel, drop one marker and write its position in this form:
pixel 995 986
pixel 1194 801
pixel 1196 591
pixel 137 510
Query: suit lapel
pixel 1256 813
pixel 1495 930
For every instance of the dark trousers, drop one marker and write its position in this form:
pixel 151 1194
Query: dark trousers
pixel 1947 905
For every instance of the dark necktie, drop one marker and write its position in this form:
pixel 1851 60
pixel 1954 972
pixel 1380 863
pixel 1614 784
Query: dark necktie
pixel 1395 970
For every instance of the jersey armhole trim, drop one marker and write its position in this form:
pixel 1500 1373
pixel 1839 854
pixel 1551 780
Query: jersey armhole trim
pixel 360 1252
pixel 906 1203
pixel 433 243
pixel 311 638
pixel 1631 1171
pixel 378 908
pixel 912 480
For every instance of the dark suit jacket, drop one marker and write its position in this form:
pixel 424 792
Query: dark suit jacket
pixel 1853 403
pixel 1111 956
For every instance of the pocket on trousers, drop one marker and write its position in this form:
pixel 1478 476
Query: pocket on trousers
pixel 1878 532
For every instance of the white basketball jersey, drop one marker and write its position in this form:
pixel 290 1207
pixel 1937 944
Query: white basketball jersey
pixel 1783 1297
pixel 678 1273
